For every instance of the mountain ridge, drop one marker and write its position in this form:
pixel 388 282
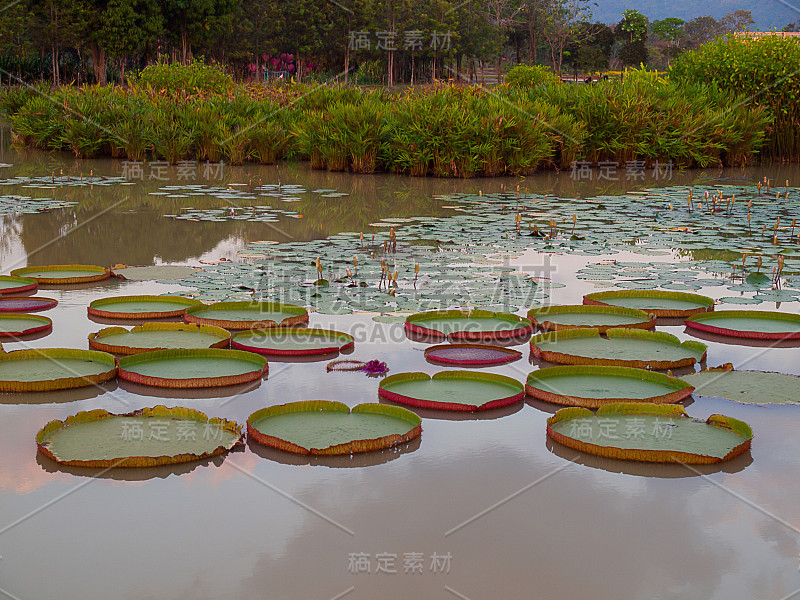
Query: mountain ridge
pixel 768 14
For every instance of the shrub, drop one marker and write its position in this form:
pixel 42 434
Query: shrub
pixel 763 70
pixel 526 76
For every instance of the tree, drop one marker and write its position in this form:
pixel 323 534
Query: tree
pixel 792 27
pixel 592 50
pixel 631 31
pixel 738 20
pixel 670 30
pixel 503 14
pixel 128 26
pixel 565 20
pixel 192 21
pixel 700 30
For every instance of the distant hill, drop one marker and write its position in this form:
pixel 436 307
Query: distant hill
pixel 767 14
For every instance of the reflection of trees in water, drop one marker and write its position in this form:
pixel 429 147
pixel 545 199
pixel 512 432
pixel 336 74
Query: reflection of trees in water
pixel 10 233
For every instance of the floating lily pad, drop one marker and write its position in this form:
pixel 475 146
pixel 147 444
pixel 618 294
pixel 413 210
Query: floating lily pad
pixel 17 324
pixel 468 325
pixel 466 391
pixel 192 368
pixel 64 274
pixel 292 341
pixel 650 433
pixel 16 285
pixel 592 387
pixel 143 438
pixel 25 304
pixel 747 386
pixel 558 318
pixel 149 337
pixel 752 324
pixel 247 314
pixel 470 354
pixel 621 348
pixel 324 427
pixel 47 369
pixel 157 272
pixel 658 303
pixel 141 307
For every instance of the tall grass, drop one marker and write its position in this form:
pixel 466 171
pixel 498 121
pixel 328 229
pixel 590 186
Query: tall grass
pixel 447 131
pixel 763 71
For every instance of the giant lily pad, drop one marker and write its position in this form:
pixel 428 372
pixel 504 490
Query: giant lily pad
pixel 17 324
pixel 143 438
pixel 247 314
pixel 621 348
pixel 192 368
pixel 16 285
pixel 64 274
pixel 26 304
pixel 752 324
pixel 292 341
pixel 650 433
pixel 558 318
pixel 465 391
pixel 470 354
pixel 141 307
pixel 324 427
pixel 747 386
pixel 656 302
pixel 592 387
pixel 149 337
pixel 468 325
pixel 47 369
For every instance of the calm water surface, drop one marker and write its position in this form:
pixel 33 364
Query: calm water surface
pixel 517 516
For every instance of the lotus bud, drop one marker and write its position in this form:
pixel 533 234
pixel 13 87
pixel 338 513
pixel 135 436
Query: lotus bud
pixel 416 268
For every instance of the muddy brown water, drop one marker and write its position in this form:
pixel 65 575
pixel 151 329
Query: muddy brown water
pixel 479 507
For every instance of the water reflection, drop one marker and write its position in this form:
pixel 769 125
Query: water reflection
pixel 338 461
pixel 459 415
pixel 129 473
pixel 209 393
pixel 59 396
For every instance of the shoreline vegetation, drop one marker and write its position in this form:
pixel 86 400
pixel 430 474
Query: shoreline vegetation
pixel 729 103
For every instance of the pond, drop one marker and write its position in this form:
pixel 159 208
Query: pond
pixel 481 505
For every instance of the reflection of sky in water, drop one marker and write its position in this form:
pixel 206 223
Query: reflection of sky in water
pixel 601 528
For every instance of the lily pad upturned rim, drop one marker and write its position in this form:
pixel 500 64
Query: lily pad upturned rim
pixel 96 343
pixel 347 341
pixel 681 390
pixel 704 323
pixel 510 354
pixel 588 332
pixel 159 411
pixel 44 303
pixel 538 316
pixel 27 321
pixel 351 447
pixel 660 410
pixel 100 273
pixel 99 307
pixel 451 406
pixel 705 303
pixel 413 324
pixel 61 383
pixel 300 314
pixel 191 382
pixel 26 284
